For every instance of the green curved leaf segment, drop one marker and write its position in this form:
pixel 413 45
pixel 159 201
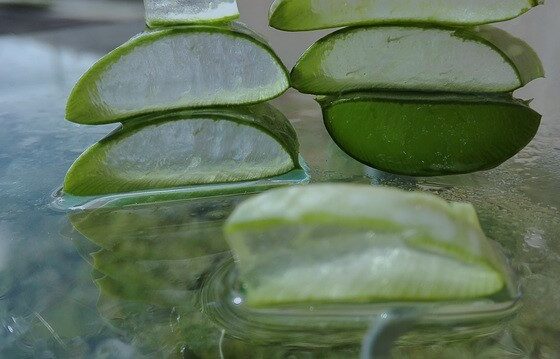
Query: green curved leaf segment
pixel 429 134
pixel 188 148
pixel 351 243
pixel 303 15
pixel 178 68
pixel 415 58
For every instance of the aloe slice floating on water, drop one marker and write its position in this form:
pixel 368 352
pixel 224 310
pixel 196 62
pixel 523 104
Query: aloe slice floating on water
pixel 302 15
pixel 183 67
pixel 416 59
pixel 353 243
pixel 430 135
pixel 177 12
pixel 187 148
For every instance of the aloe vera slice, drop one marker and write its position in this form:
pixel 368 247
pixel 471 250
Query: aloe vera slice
pixel 430 135
pixel 353 243
pixel 182 67
pixel 187 148
pixel 416 59
pixel 178 12
pixel 303 15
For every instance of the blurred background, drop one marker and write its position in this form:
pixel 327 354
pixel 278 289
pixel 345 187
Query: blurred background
pixel 28 16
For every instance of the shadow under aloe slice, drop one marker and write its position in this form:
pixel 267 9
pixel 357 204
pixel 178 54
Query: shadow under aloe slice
pixel 413 58
pixel 358 244
pixel 189 148
pixel 302 15
pixel 429 134
pixel 176 68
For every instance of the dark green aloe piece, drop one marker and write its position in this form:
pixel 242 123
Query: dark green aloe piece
pixel 429 135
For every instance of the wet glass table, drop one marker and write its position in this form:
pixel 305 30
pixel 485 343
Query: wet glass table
pixel 126 282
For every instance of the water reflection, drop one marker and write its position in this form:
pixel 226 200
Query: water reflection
pixel 164 272
pixel 151 266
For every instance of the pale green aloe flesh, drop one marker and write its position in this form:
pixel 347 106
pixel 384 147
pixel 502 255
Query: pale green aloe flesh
pixel 177 12
pixel 187 148
pixel 175 68
pixel 302 15
pixel 354 243
pixel 413 58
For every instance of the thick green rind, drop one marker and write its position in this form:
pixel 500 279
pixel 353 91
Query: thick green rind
pixel 282 12
pixel 516 51
pixel 518 54
pixel 66 202
pixel 455 148
pixel 87 178
pixel 81 109
pixel 471 247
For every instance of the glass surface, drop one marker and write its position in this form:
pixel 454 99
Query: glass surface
pixel 139 295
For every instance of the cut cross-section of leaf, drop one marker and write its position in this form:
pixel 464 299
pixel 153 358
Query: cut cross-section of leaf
pixel 178 12
pixel 302 15
pixel 176 68
pixel 353 243
pixel 429 134
pixel 198 147
pixel 416 59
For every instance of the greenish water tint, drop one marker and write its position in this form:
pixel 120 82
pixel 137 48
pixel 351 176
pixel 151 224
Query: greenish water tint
pixel 135 297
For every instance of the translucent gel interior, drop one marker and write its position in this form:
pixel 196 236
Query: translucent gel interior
pixel 189 10
pixel 197 151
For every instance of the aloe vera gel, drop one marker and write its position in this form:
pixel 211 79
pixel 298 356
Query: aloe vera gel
pixel 178 12
pixel 406 56
pixel 306 245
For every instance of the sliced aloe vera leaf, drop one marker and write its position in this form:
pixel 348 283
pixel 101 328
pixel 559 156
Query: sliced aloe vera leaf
pixel 354 243
pixel 430 134
pixel 179 12
pixel 303 15
pixel 416 59
pixel 187 148
pixel 180 67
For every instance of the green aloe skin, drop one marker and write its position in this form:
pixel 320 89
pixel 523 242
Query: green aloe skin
pixel 429 135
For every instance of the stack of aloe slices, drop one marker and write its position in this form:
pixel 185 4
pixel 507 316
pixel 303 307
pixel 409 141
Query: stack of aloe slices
pixel 411 89
pixel 191 100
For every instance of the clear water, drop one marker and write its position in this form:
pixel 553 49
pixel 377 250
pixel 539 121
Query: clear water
pixel 143 299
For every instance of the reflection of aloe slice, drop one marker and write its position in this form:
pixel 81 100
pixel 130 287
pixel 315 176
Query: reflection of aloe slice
pixel 177 12
pixel 301 15
pixel 416 58
pixel 144 276
pixel 166 231
pixel 181 67
pixel 426 135
pixel 345 243
pixel 187 148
